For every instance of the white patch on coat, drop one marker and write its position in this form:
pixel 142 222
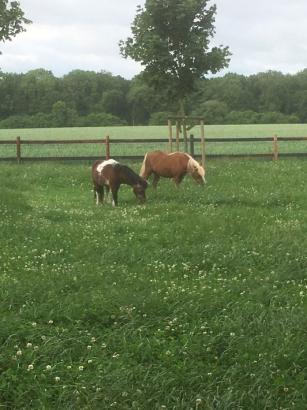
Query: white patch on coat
pixel 104 163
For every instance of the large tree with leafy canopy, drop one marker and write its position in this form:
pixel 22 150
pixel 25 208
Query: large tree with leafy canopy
pixel 12 20
pixel 171 39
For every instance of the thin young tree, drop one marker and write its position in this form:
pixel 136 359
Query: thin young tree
pixel 171 40
pixel 12 20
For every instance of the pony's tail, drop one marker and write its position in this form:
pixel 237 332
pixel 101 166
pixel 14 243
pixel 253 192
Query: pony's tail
pixel 143 167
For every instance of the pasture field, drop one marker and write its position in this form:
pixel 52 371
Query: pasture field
pixel 216 131
pixel 195 300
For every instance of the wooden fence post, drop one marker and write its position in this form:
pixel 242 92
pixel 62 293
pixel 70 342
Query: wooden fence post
pixel 177 135
pixel 275 148
pixel 170 135
pixel 107 147
pixel 18 150
pixel 202 141
pixel 185 136
pixel 192 145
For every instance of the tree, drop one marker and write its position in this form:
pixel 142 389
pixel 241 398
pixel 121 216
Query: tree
pixel 171 40
pixel 62 115
pixel 213 111
pixel 114 102
pixel 12 20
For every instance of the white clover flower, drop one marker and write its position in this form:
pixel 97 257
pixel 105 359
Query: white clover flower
pixel 48 367
pixel 34 324
pixel 29 345
pixel 50 322
pixel 81 368
pixel 30 367
pixel 90 361
pixel 19 352
pixel 68 367
pixel 57 379
pixel 89 347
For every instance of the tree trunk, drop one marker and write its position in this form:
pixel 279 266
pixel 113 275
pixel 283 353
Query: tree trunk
pixel 181 107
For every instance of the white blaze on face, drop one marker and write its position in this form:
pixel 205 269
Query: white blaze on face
pixel 104 163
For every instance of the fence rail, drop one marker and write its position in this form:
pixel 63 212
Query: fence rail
pixel 107 143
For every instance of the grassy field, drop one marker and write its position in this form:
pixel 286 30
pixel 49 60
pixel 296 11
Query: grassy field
pixel 216 131
pixel 195 300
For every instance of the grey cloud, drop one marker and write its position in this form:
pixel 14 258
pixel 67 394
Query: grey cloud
pixel 69 34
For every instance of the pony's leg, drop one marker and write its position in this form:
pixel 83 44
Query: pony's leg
pixel 178 180
pixel 114 190
pixel 96 195
pixel 99 195
pixel 107 193
pixel 155 181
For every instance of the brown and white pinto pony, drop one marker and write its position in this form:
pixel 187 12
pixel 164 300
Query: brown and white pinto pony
pixel 110 174
pixel 175 165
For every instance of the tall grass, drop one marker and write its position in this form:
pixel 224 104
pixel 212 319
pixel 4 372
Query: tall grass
pixel 195 300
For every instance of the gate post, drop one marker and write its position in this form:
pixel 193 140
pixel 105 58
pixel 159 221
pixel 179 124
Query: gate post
pixel 202 140
pixel 192 145
pixel 18 150
pixel 275 148
pixel 170 135
pixel 107 147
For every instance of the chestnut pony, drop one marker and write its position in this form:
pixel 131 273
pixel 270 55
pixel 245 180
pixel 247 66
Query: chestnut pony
pixel 110 174
pixel 175 165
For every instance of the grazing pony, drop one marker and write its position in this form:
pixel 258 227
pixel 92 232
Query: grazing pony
pixel 175 165
pixel 110 174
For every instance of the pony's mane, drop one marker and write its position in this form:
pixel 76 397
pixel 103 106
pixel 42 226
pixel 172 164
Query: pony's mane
pixel 135 177
pixel 194 164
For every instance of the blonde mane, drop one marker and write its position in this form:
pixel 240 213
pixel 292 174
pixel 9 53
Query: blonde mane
pixel 192 165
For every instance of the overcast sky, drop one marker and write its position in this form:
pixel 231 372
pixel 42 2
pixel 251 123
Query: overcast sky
pixel 77 34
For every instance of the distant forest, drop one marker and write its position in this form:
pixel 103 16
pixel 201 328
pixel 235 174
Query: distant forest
pixel 87 98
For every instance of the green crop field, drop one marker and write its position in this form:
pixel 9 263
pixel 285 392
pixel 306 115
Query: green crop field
pixel 216 131
pixel 195 300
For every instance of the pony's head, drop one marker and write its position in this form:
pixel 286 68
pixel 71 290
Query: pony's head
pixel 196 171
pixel 139 189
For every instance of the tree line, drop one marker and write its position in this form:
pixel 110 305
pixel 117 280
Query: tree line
pixel 87 98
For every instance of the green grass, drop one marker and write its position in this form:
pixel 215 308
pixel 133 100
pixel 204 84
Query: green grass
pixel 217 131
pixel 195 300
